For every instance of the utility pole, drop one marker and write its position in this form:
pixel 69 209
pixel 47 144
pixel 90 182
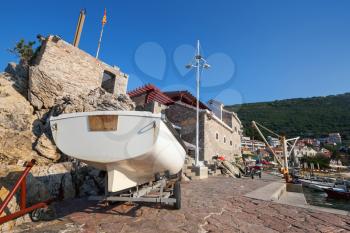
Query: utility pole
pixel 199 63
pixel 198 57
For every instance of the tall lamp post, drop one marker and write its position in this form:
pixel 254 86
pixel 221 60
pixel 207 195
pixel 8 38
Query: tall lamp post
pixel 199 63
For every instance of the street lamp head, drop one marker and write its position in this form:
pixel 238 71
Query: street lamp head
pixel 189 66
pixel 206 66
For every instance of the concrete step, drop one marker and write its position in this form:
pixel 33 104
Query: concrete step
pixel 270 192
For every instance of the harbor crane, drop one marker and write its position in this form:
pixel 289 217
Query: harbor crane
pixel 284 142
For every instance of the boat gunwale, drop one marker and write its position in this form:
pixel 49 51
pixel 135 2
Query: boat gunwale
pixel 119 113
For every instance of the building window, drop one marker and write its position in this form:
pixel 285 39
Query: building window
pixel 230 143
pixel 235 129
pixel 224 139
pixel 108 81
pixel 217 136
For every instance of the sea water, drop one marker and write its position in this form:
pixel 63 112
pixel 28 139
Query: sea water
pixel 318 198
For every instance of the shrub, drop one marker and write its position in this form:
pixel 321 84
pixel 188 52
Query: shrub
pixel 24 51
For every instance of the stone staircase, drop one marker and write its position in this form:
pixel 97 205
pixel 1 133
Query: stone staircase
pixel 189 171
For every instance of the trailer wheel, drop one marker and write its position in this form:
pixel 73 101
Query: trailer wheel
pixel 177 195
pixel 36 215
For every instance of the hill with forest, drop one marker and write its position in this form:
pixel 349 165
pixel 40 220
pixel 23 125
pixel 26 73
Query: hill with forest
pixel 305 117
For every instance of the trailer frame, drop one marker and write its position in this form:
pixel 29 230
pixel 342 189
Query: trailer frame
pixel 21 183
pixel 163 191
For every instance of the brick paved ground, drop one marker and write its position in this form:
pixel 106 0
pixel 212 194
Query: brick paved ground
pixel 213 205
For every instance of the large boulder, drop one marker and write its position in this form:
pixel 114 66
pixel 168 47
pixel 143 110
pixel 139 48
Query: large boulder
pixel 88 180
pixel 46 148
pixel 51 181
pixel 18 74
pixel 44 90
pixel 16 118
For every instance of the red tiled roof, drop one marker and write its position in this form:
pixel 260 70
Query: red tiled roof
pixel 185 97
pixel 153 94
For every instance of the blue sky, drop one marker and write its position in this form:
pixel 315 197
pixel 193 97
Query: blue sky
pixel 259 50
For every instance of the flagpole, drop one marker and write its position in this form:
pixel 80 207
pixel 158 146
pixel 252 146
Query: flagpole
pixel 104 21
pixel 99 42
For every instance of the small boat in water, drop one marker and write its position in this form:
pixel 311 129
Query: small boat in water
pixel 319 185
pixel 132 146
pixel 338 193
pixel 341 190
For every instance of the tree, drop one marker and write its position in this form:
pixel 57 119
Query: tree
pixel 24 51
pixel 319 158
pixel 334 150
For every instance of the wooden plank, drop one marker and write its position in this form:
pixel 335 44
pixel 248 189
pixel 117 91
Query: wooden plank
pixel 103 123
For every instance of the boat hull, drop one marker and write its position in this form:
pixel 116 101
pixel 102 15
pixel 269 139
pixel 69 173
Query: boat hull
pixel 337 194
pixel 131 146
pixel 316 185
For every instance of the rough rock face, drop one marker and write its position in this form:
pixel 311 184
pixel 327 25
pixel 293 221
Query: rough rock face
pixel 45 147
pixel 88 180
pixel 96 100
pixel 56 180
pixel 16 117
pixel 43 90
pixel 18 74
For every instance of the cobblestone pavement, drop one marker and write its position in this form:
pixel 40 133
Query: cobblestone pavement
pixel 213 205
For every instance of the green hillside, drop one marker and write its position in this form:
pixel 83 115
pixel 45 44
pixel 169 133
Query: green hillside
pixel 304 117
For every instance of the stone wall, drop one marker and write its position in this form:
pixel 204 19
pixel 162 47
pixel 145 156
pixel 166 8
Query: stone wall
pixel 231 119
pixel 61 69
pixel 209 125
pixel 219 139
pixel 237 133
pixel 155 107
pixel 185 117
pixel 227 118
pixel 140 101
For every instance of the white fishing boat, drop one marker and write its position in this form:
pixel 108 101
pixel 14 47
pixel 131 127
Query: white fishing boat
pixel 132 146
pixel 319 185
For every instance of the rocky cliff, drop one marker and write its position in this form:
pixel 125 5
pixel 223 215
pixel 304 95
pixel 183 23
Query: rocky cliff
pixel 25 131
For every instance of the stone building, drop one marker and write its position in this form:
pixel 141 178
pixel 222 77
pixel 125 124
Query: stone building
pixel 218 136
pixel 301 151
pixel 219 130
pixel 61 69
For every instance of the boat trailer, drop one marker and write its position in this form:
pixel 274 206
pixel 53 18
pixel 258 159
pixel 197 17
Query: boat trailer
pixel 163 191
pixel 21 183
